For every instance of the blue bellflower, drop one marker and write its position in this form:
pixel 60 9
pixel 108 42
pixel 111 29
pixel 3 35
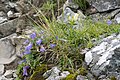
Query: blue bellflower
pixel 42 49
pixel 33 35
pixel 52 45
pixel 56 37
pixel 39 42
pixel 29 47
pixel 20 62
pixel 25 70
pixel 26 41
pixel 27 52
pixel 109 22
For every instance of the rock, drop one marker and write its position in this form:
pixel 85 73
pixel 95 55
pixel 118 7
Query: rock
pixel 8 73
pixel 51 74
pixel 2 14
pixel 103 60
pixel 12 5
pixel 117 18
pixel 3 78
pixel 88 57
pixel 6 48
pixel 69 16
pixel 10 27
pixel 55 74
pixel 71 4
pixel 14 75
pixel 7 51
pixel 10 14
pixel 80 77
pixel 105 5
pixel 1 69
pixel 3 17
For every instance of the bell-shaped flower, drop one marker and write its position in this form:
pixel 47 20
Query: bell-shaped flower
pixel 25 70
pixel 39 42
pixel 33 35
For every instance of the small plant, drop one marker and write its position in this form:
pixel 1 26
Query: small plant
pixel 60 44
pixel 82 3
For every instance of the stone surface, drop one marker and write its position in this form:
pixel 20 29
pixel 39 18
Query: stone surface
pixel 7 50
pixel 71 4
pixel 55 74
pixel 117 18
pixel 103 59
pixel 3 17
pixel 1 69
pixel 80 77
pixel 69 16
pixel 10 27
pixel 105 5
pixel 8 74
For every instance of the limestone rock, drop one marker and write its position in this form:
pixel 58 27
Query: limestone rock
pixel 1 69
pixel 69 16
pixel 105 5
pixel 55 74
pixel 7 51
pixel 10 27
pixel 104 58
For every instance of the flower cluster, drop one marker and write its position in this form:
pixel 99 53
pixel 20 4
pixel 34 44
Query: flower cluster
pixel 33 43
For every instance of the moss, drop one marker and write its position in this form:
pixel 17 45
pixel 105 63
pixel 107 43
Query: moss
pixel 70 77
pixel 83 71
pixel 37 75
pixel 113 78
pixel 67 69
pixel 42 68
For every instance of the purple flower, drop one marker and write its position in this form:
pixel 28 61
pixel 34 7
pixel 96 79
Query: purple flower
pixel 26 41
pixel 29 47
pixel 56 37
pixel 42 49
pixel 20 62
pixel 25 70
pixel 39 42
pixel 27 52
pixel 52 45
pixel 109 22
pixel 33 35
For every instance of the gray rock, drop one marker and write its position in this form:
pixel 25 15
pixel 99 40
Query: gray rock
pixel 3 17
pixel 10 27
pixel 104 58
pixel 71 4
pixel 2 14
pixel 6 48
pixel 69 16
pixel 55 74
pixel 8 73
pixel 7 51
pixel 105 5
pixel 12 5
pixel 80 77
pixel 117 18
pixel 1 69
pixel 10 14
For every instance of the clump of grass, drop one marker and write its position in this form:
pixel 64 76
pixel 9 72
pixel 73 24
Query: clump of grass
pixel 60 44
pixel 82 4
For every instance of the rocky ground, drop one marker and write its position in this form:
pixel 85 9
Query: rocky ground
pixel 102 60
